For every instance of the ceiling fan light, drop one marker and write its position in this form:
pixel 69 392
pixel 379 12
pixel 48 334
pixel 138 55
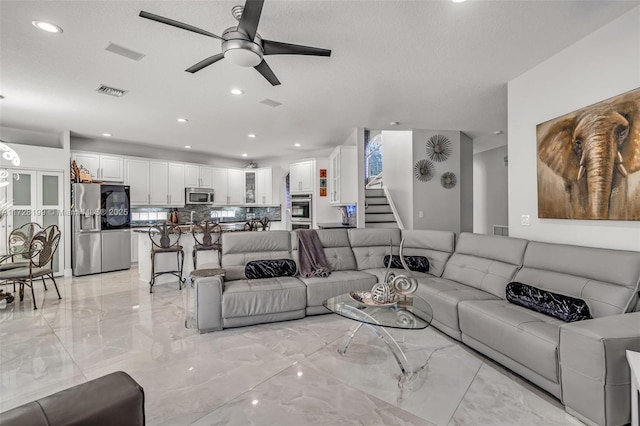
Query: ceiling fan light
pixel 242 57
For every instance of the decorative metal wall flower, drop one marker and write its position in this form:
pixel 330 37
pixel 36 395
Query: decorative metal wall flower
pixel 423 170
pixel 448 180
pixel 438 148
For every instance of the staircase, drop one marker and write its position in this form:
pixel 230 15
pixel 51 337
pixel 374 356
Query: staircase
pixel 378 211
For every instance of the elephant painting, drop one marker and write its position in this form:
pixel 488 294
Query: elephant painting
pixel 588 162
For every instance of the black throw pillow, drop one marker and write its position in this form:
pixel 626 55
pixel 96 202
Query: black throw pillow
pixel 565 308
pixel 270 268
pixel 415 263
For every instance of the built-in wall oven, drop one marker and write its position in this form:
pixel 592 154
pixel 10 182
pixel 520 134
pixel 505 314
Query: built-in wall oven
pixel 301 212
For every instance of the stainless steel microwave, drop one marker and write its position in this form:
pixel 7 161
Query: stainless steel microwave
pixel 198 196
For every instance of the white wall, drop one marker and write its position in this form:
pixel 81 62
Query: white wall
pixel 465 180
pixel 397 169
pixel 490 190
pixel 602 65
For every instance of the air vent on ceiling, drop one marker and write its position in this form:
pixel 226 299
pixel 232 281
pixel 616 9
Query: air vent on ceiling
pixel 123 51
pixel 112 91
pixel 271 103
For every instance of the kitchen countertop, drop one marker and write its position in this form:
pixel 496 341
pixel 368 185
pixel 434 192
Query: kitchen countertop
pixel 334 225
pixel 226 226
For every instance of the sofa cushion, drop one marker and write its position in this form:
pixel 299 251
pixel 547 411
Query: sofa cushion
pixel 370 246
pixel 336 248
pixel 380 272
pixel 606 279
pixel 565 308
pixel 444 295
pixel 238 248
pixel 243 298
pixel 485 262
pixel 270 268
pixel 339 282
pixel 437 246
pixel 414 263
pixel 527 337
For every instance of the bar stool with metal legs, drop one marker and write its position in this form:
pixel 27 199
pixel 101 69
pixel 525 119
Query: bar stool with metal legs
pixel 207 237
pixel 163 244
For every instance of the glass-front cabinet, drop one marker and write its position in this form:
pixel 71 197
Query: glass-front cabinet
pixel 258 186
pixel 35 196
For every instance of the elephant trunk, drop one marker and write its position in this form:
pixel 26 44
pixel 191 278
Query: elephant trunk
pixel 600 159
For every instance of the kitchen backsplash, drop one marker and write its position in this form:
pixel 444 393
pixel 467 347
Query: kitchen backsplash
pixel 146 216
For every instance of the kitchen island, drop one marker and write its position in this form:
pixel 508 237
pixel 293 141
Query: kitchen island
pixel 168 261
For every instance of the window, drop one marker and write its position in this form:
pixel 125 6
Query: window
pixel 373 158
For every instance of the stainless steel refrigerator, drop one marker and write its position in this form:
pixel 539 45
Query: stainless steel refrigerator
pixel 101 228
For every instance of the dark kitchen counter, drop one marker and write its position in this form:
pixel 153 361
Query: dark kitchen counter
pixel 334 225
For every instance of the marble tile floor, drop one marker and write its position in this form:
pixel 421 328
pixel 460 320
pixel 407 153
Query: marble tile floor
pixel 286 373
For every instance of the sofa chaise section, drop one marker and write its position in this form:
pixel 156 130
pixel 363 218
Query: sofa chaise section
pixel 344 276
pixel 572 361
pixel 479 269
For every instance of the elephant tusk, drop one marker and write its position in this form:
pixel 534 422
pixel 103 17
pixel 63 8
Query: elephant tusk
pixel 620 166
pixel 622 170
pixel 581 172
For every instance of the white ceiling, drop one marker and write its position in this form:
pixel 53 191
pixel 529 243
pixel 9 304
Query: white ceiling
pixel 427 64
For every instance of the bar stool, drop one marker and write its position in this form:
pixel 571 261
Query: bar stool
pixel 207 237
pixel 164 245
pixel 265 222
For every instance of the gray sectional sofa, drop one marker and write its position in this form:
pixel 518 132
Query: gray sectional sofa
pixel 581 363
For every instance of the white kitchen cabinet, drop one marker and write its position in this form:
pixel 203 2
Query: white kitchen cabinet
pixel 235 190
pixel 137 177
pixel 176 184
pixel 258 186
pixel 134 247
pixel 301 177
pixel 228 186
pixel 108 168
pixel 158 183
pixel 191 176
pixel 198 176
pixel 343 176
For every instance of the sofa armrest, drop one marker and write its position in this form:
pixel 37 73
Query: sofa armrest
pixel 208 303
pixel 114 399
pixel 594 371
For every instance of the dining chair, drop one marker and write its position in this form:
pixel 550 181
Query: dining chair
pixel 41 252
pixel 18 249
pixel 164 244
pixel 207 237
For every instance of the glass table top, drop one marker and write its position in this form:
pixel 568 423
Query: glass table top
pixel 416 315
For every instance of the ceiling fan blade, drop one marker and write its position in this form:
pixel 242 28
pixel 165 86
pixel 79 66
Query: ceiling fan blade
pixel 176 24
pixel 266 72
pixel 250 17
pixel 205 63
pixel 271 47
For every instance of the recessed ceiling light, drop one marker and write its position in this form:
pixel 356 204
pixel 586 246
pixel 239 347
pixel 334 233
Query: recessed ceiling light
pixel 394 123
pixel 458 1
pixel 498 132
pixel 244 154
pixel 46 26
pixel 182 120
pixel 108 135
pixel 251 135
pixel 188 146
pixel 296 144
pixel 237 91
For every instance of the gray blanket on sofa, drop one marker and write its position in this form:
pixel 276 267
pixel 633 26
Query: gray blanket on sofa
pixel 313 262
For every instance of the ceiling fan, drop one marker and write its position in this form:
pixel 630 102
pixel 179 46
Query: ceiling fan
pixel 242 45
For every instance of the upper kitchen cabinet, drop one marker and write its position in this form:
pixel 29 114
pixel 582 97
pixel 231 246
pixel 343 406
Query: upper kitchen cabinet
pixel 176 184
pixel 137 177
pixel 166 183
pixel 228 186
pixel 198 176
pixel 301 177
pixel 343 180
pixel 258 186
pixel 108 168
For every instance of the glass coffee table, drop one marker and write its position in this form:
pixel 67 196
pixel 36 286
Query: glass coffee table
pixel 414 314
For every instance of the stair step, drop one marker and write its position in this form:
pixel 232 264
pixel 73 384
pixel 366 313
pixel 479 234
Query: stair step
pixel 381 225
pixel 379 217
pixel 374 193
pixel 378 208
pixel 376 200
